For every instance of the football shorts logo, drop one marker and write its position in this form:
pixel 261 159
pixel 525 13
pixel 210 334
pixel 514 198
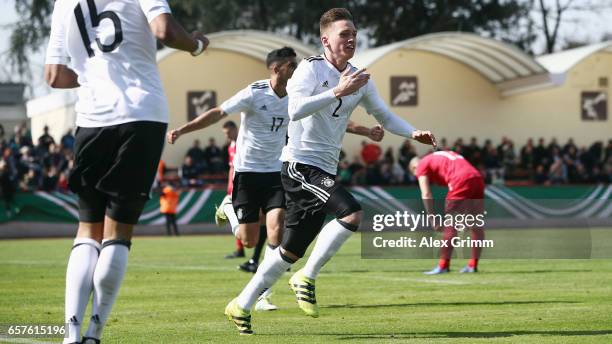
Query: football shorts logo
pixel 239 213
pixel 327 182
pixel 325 84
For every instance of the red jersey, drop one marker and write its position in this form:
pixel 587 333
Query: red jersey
pixel 231 151
pixel 370 153
pixel 446 168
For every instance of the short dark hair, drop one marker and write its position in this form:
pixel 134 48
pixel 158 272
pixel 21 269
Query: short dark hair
pixel 279 55
pixel 229 125
pixel 333 15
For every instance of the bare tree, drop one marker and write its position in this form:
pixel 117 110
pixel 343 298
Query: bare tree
pixel 554 13
pixel 552 17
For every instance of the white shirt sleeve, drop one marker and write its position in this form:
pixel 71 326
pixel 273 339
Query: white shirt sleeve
pixel 239 102
pixel 153 8
pixel 375 106
pixel 300 88
pixel 56 49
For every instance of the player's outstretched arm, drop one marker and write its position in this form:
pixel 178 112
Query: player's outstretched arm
pixel 375 133
pixel 392 122
pixel 171 33
pixel 204 120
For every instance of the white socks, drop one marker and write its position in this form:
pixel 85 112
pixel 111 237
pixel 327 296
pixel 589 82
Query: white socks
pixel 269 250
pixel 106 280
pixel 270 270
pixel 228 209
pixel 331 238
pixel 79 284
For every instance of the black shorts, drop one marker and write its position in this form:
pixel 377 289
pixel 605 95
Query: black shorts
pixel 255 191
pixel 311 194
pixel 114 169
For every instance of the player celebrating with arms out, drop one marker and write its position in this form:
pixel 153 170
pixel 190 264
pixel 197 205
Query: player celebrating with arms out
pixel 256 183
pixel 323 93
pixel 262 134
pixel 264 120
pixel 107 48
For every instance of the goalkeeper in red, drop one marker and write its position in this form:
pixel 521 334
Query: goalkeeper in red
pixel 465 196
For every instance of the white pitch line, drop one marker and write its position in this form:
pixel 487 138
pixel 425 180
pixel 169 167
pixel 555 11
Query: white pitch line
pixel 8 339
pixel 371 277
pixel 130 265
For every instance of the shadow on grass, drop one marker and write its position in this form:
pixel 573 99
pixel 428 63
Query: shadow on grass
pixel 428 304
pixel 493 334
pixel 362 271
pixel 537 271
pixel 501 272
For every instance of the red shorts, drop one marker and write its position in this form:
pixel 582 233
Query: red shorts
pixel 467 197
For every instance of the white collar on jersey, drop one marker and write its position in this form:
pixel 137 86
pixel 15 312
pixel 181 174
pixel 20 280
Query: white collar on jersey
pixel 331 65
pixel 271 92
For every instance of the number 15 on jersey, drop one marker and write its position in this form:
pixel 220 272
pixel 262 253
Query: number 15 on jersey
pixel 96 18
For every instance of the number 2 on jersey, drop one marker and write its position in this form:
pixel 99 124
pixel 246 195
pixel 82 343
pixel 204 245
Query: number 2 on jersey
pixel 96 18
pixel 276 126
pixel 337 108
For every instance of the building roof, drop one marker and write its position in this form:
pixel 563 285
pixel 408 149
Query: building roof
pixel 500 63
pixel 563 61
pixel 503 65
pixel 253 43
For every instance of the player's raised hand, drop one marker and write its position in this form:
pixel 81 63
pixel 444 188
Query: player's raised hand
pixel 425 137
pixel 376 133
pixel 200 36
pixel 351 82
pixel 172 136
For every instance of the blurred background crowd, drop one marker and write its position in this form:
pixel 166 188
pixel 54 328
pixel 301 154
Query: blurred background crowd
pixel 44 164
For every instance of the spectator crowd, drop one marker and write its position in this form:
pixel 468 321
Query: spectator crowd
pixel 29 166
pixel 44 164
pixel 544 163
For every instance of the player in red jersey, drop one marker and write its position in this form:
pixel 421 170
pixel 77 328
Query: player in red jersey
pixel 231 133
pixel 465 196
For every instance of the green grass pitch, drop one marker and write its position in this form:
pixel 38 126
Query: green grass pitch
pixel 176 289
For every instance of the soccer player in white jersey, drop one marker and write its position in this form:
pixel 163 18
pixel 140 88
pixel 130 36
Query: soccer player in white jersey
pixel 264 120
pixel 107 48
pixel 323 92
pixel 257 184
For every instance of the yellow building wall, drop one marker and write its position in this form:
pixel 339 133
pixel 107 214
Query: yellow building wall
pixel 456 101
pixel 219 70
pixel 58 120
pixel 453 99
pixel 556 112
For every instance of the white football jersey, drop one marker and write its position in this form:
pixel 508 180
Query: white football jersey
pixel 263 127
pixel 317 139
pixel 109 44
